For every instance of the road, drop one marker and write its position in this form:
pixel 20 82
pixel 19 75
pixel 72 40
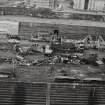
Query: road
pixel 52 21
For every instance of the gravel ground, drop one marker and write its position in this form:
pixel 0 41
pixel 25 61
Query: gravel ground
pixel 46 73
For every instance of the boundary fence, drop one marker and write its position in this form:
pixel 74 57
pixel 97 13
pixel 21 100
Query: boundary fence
pixel 75 93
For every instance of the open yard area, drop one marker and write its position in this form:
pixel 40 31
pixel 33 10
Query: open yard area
pixel 47 73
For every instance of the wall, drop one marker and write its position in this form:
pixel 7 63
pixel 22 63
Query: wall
pixel 9 27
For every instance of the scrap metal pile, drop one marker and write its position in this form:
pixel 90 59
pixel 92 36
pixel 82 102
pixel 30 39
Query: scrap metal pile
pixel 20 53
